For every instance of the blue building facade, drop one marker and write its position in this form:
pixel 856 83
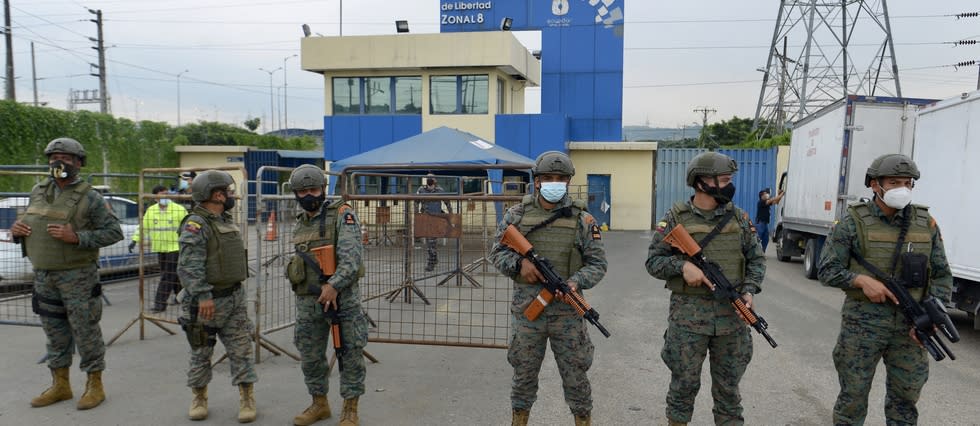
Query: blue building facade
pixel 581 78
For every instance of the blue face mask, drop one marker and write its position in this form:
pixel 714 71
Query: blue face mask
pixel 182 185
pixel 553 192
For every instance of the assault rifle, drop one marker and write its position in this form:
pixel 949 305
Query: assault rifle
pixel 681 240
pixel 553 283
pixel 325 265
pixel 925 317
pixel 331 314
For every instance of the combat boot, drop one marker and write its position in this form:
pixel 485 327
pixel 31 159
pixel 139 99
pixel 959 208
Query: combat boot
pixel 94 394
pixel 318 410
pixel 199 406
pixel 349 416
pixel 671 422
pixel 583 419
pixel 246 406
pixel 59 390
pixel 519 418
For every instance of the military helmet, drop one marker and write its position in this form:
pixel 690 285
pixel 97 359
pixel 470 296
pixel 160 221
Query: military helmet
pixel 553 163
pixel 307 176
pixel 206 182
pixel 891 165
pixel 66 146
pixel 710 164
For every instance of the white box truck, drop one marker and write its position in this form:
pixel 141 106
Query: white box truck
pixel 947 152
pixel 830 151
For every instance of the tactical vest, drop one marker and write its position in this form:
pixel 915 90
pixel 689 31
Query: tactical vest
pixel 306 236
pixel 71 206
pixel 556 242
pixel 725 249
pixel 878 240
pixel 227 261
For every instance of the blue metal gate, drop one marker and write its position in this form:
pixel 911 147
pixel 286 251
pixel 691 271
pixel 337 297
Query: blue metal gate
pixel 599 199
pixel 756 170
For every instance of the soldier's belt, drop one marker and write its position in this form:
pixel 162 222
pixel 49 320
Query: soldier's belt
pixel 225 292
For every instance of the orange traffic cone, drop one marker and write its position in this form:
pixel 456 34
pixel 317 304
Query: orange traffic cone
pixel 270 228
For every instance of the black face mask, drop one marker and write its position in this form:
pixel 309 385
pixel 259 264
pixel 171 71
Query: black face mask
pixel 311 203
pixel 61 170
pixel 722 195
pixel 229 202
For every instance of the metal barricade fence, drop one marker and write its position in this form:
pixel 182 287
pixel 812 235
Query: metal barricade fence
pixel 428 280
pixel 16 271
pixel 158 284
pixel 462 301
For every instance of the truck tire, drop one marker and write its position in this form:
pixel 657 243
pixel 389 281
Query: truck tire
pixel 780 253
pixel 811 256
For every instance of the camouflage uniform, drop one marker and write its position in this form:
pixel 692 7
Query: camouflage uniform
pixel 69 299
pixel 878 331
pixel 230 312
pixel 312 328
pixel 577 245
pixel 700 324
pixel 431 207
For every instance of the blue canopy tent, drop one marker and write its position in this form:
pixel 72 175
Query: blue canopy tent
pixel 439 146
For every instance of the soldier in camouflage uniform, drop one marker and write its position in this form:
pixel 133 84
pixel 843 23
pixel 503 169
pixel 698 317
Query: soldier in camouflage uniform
pixel 699 323
pixel 562 231
pixel 212 265
pixel 320 225
pixel 431 207
pixel 72 221
pixel 872 326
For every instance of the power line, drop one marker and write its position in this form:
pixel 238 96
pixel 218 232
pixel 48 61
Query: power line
pixel 52 23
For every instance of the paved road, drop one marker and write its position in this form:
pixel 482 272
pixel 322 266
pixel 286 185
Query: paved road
pixel 794 384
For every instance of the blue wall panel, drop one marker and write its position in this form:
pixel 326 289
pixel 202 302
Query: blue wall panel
pixel 347 135
pixel 531 134
pixel 577 49
pixel 513 132
pixel 375 131
pixel 608 97
pixel 405 126
pixel 549 132
pixel 581 129
pixel 551 93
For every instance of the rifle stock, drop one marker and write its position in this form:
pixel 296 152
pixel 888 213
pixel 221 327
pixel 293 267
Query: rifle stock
pixel 681 240
pixel 553 284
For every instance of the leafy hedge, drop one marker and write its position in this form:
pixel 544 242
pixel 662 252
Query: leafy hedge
pixel 128 146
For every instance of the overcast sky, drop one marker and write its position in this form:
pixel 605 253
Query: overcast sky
pixel 680 55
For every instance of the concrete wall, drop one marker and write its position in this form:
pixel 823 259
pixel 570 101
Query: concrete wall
pixel 213 157
pixel 631 169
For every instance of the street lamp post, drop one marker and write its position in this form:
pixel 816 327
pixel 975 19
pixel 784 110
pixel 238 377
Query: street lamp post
pixel 272 98
pixel 178 95
pixel 285 93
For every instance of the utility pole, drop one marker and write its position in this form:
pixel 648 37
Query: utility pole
pixel 285 93
pixel 34 73
pixel 704 124
pixel 11 95
pixel 178 95
pixel 272 98
pixel 100 47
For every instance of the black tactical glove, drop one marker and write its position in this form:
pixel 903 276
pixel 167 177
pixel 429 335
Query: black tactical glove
pixel 131 246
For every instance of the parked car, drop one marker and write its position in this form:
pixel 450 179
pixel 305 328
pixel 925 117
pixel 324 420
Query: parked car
pixel 15 269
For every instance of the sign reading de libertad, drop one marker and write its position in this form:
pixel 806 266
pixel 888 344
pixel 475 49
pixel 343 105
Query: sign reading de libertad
pixel 467 12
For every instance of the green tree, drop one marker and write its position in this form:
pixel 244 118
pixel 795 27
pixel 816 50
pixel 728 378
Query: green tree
pixel 252 123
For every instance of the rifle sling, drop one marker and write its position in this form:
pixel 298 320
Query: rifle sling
pixel 562 212
pixel 313 264
pixel 714 232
